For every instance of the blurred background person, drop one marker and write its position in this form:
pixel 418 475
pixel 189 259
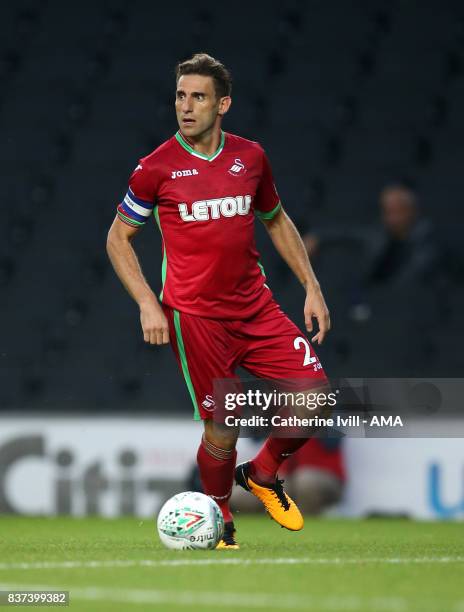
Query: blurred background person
pixel 399 280
pixel 402 248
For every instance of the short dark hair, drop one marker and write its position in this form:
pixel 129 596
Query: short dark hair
pixel 205 65
pixel 403 187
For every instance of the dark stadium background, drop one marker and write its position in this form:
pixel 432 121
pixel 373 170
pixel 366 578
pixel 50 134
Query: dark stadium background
pixel 344 96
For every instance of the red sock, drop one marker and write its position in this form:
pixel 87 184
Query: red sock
pixel 263 468
pixel 217 474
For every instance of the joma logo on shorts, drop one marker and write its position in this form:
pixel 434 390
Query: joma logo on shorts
pixel 202 210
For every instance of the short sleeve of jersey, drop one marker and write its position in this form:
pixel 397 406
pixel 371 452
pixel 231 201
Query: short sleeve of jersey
pixel 139 201
pixel 267 202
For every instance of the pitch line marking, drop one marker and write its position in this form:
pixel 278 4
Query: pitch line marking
pixel 349 603
pixel 231 561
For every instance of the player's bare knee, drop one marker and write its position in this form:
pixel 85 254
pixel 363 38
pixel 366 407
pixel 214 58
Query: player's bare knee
pixel 220 435
pixel 321 401
pixel 318 403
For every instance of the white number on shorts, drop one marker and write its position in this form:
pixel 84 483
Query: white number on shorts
pixel 308 360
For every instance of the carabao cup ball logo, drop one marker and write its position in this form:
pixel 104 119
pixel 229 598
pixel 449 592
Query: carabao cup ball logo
pixel 182 522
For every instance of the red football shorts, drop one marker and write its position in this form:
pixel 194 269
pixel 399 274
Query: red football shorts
pixel 268 346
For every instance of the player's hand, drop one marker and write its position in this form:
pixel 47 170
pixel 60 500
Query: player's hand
pixel 154 324
pixel 316 307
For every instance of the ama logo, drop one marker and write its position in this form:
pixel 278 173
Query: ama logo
pixel 237 168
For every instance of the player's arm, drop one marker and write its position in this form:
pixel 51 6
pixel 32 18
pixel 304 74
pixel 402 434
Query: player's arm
pixel 126 265
pixel 289 245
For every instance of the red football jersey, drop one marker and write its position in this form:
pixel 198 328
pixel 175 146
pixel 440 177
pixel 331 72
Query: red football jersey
pixel 205 208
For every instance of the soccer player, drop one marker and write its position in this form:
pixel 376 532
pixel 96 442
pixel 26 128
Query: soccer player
pixel 205 187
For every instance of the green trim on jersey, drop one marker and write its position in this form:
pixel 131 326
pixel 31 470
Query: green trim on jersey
pixel 129 220
pixel 270 214
pixel 183 360
pixel 181 140
pixel 164 265
pixel 261 267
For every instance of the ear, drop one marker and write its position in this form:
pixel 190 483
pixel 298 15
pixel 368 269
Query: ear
pixel 224 105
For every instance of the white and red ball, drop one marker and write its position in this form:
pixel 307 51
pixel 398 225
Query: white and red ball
pixel 190 521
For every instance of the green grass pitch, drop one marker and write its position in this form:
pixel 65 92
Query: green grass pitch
pixel 332 565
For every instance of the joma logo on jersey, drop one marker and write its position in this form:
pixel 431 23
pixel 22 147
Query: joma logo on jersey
pixel 179 173
pixel 214 209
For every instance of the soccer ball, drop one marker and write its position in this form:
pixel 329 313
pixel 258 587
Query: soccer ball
pixel 190 521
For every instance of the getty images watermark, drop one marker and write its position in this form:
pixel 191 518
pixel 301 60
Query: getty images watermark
pixel 346 407
pixel 269 401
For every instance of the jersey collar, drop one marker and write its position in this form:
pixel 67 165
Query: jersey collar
pixel 181 140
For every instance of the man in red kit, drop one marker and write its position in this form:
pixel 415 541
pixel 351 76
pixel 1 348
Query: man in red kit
pixel 204 188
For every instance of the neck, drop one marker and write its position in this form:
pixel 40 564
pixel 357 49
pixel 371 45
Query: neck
pixel 206 143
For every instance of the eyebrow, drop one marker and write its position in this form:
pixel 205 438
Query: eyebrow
pixel 194 93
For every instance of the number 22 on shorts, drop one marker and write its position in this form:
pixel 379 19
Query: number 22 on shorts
pixel 308 360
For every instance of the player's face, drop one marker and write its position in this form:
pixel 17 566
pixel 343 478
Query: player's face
pixel 398 212
pixel 198 109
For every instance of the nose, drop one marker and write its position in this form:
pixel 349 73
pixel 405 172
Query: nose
pixel 186 105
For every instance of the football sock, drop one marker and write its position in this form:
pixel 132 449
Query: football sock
pixel 217 468
pixel 263 468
